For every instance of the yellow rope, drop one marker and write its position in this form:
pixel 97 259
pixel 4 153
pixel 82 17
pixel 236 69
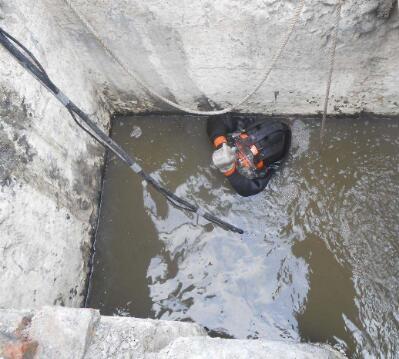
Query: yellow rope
pixel 332 63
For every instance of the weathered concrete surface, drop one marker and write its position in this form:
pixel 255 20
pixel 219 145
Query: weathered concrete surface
pixel 63 332
pixel 195 52
pixel 130 337
pixel 55 332
pixel 204 51
pixel 203 348
pixel 49 169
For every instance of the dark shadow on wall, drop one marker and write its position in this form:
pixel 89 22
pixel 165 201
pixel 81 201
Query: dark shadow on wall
pixel 386 8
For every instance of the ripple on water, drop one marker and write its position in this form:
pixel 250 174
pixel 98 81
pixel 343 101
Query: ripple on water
pixel 319 260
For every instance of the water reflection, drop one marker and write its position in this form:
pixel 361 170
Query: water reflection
pixel 319 259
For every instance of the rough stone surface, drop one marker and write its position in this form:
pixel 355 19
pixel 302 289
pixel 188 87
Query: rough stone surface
pixel 385 8
pixel 131 337
pixel 55 332
pixel 199 53
pixel 14 341
pixel 63 332
pixel 203 348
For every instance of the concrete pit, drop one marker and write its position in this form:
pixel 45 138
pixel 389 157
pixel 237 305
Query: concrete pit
pixel 202 55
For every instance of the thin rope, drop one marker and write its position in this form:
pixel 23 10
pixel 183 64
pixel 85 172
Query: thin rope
pixel 332 64
pixel 153 92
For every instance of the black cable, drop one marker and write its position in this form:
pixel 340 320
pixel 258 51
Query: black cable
pixel 174 200
pixel 36 61
pixel 81 126
pixel 147 178
pixel 31 64
pixel 28 64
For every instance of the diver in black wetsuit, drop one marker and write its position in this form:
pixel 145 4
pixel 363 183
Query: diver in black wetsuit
pixel 246 147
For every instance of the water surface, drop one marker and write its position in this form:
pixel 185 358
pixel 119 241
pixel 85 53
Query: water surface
pixel 319 260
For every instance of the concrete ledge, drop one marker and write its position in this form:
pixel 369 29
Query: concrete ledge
pixel 59 332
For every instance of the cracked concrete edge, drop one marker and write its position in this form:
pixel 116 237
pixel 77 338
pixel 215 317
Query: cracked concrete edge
pixel 59 332
pixel 63 332
pixel 203 348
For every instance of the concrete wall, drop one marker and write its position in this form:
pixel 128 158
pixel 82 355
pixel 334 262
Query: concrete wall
pixel 199 53
pixel 49 169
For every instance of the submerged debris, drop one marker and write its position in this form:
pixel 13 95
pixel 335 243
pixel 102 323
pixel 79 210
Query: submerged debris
pixel 136 132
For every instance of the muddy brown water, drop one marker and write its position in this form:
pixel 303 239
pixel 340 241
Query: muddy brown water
pixel 319 260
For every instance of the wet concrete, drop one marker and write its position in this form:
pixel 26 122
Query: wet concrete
pixel 318 262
